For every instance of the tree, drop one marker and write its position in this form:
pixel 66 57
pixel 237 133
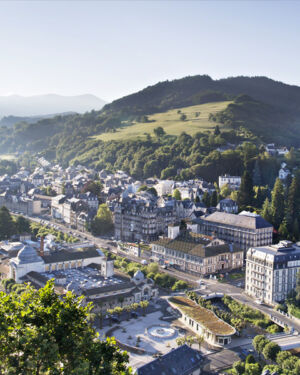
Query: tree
pixel 103 222
pixel 183 117
pixel 94 187
pixel 22 225
pixel 43 333
pixel 177 195
pixel 246 193
pixel 180 341
pixel 217 130
pixel 250 358
pixel 199 340
pixel 271 350
pixel 282 356
pixel 214 199
pixel 283 230
pixel 259 342
pixel 206 199
pixel 277 204
pixel 144 305
pixel 7 225
pixel 180 285
pixel 239 367
pixel 266 212
pixel 159 132
pixel 257 180
pixel 252 369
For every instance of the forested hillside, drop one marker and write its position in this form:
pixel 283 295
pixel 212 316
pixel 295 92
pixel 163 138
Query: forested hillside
pixel 257 110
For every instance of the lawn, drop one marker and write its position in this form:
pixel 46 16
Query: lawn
pixel 196 120
pixel 7 157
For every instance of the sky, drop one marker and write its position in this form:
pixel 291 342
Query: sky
pixel 114 48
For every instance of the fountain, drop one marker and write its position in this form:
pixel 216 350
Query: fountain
pixel 161 332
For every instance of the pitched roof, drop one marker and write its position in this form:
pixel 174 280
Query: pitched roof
pixel 180 361
pixel 195 244
pixel 243 221
pixel 64 255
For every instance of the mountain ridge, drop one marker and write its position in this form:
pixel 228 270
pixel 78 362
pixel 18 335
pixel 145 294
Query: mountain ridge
pixel 41 105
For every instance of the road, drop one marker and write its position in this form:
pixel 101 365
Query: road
pixel 210 284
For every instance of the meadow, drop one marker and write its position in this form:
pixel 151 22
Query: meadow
pixel 197 119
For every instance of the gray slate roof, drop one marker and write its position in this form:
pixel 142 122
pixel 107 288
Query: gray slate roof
pixel 64 256
pixel 180 361
pixel 243 221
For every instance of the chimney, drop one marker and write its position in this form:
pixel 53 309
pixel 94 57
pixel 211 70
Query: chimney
pixel 42 246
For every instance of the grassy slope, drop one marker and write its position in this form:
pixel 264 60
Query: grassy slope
pixel 171 122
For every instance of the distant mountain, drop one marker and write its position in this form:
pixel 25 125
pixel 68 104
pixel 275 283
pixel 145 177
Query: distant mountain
pixel 40 105
pixel 10 121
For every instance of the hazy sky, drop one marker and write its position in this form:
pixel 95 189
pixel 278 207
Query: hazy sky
pixel 114 48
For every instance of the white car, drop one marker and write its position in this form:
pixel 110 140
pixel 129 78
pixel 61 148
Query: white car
pixel 258 302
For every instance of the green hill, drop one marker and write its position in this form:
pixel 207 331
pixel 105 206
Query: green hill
pixel 197 119
pixel 255 109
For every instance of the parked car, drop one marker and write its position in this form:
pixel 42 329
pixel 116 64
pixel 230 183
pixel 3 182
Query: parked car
pixel 134 314
pixel 258 302
pixel 115 319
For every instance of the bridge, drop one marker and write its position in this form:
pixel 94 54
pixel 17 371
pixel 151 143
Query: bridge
pixel 286 341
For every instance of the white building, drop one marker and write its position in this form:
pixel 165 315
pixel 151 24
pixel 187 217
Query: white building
pixel 164 187
pixel 233 182
pixel 283 172
pixel 271 271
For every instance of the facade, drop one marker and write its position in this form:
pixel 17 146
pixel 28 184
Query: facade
pixel 233 182
pixel 139 218
pixel 24 205
pixel 245 230
pixel 228 205
pixel 271 271
pixel 196 254
pixel 180 361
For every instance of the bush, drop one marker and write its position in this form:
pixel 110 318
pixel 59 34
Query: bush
pixel 180 285
pixel 274 328
pixel 250 358
pixel 271 350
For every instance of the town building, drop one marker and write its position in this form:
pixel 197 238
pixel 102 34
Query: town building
pixel 245 230
pixel 138 217
pixel 228 205
pixel 180 361
pixel 233 182
pixel 284 172
pixel 203 322
pixel 196 254
pixel 84 271
pixel 271 271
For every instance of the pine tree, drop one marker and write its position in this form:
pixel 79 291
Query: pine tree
pixel 283 230
pixel 296 230
pixel 277 204
pixel 257 174
pixel 266 212
pixel 246 193
pixel 214 199
pixel 206 199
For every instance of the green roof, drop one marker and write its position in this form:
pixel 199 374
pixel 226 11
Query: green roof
pixel 206 318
